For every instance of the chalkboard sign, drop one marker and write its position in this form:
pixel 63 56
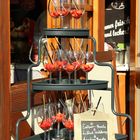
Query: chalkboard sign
pixel 99 126
pixel 94 130
pixel 117 22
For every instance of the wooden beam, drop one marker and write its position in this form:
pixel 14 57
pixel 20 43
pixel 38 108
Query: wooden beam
pixel 122 98
pixel 19 97
pixel 133 46
pixel 4 69
pixel 98 23
pixel 105 56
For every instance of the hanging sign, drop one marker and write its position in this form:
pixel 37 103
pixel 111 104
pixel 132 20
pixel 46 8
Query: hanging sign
pixel 90 126
pixel 94 130
pixel 117 22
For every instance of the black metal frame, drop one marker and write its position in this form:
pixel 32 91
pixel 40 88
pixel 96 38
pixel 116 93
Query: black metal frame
pixel 68 33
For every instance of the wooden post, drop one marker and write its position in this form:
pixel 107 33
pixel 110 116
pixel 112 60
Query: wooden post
pixel 98 22
pixel 4 69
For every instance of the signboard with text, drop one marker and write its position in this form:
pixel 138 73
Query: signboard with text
pixel 93 127
pixel 117 22
pixel 94 130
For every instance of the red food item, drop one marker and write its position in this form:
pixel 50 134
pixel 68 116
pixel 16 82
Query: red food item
pixel 60 64
pixel 87 67
pixel 79 12
pixel 55 14
pixel 46 124
pixel 64 12
pixel 59 117
pixel 53 118
pixel 77 65
pixel 72 11
pixel 69 124
pixel 76 13
pixel 50 67
pixel 69 68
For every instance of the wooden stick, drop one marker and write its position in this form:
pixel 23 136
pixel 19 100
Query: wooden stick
pixel 79 46
pixel 62 49
pixel 86 53
pixel 48 54
pixel 63 104
pixel 54 5
pixel 44 104
pixel 73 101
pixel 70 46
pixel 52 46
pixel 97 105
pixel 86 48
pixel 75 4
pixel 72 51
pixel 57 41
pixel 66 96
pixel 43 100
pixel 82 102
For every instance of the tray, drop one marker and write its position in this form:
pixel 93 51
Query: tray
pixel 41 137
pixel 121 137
pixel 66 32
pixel 64 133
pixel 72 85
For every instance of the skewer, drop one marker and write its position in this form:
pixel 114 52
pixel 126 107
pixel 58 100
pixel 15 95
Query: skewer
pixel 75 4
pixel 82 102
pixel 44 103
pixel 61 48
pixel 48 54
pixel 52 46
pixel 79 45
pixel 86 53
pixel 97 105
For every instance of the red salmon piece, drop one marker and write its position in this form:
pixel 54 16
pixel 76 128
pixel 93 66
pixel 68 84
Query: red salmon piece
pixel 69 68
pixel 77 65
pixel 87 67
pixel 54 14
pixel 50 67
pixel 46 124
pixel 69 124
pixel 76 13
pixel 59 65
pixel 79 12
pixel 59 117
pixel 64 12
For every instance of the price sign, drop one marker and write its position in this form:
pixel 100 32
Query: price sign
pixel 99 126
pixel 94 130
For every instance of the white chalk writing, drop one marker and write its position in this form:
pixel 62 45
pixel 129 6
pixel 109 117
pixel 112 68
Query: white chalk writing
pixel 117 28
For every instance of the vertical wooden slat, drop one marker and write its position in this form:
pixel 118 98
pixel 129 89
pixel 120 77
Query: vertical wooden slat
pixel 137 65
pixel 4 69
pixel 132 33
pixel 98 22
pixel 122 97
pixel 132 90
